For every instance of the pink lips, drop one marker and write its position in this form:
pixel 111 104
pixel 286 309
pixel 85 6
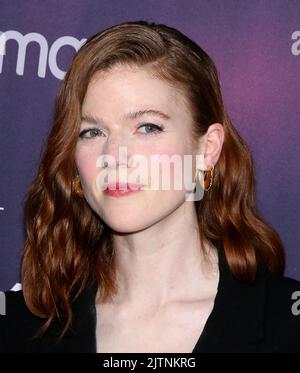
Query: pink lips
pixel 122 189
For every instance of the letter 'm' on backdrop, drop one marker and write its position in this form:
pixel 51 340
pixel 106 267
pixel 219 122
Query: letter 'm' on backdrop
pixel 255 45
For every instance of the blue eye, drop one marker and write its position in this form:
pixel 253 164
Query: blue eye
pixel 150 126
pixel 94 132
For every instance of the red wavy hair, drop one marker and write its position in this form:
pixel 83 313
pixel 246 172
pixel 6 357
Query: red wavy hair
pixel 68 245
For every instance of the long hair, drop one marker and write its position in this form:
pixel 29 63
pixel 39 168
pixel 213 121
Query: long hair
pixel 68 246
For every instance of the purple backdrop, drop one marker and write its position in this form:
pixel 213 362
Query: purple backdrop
pixel 256 47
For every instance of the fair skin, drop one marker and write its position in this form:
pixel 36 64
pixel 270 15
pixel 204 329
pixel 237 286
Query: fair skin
pixel 166 289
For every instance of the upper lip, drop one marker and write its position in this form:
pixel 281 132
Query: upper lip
pixel 123 185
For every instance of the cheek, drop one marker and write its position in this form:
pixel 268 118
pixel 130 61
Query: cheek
pixel 85 160
pixel 169 156
pixel 168 148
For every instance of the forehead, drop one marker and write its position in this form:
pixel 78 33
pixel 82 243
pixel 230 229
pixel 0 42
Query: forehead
pixel 133 85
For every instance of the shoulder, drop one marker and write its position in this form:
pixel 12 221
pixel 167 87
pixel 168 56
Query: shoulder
pixel 280 285
pixel 19 327
pixel 282 295
pixel 261 317
pixel 283 307
pixel 271 295
pixel 280 303
pixel 18 323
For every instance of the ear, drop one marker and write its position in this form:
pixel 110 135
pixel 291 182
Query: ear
pixel 210 144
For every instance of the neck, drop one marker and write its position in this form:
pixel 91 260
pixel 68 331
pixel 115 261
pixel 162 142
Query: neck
pixel 164 262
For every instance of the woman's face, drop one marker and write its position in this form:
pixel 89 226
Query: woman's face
pixel 149 138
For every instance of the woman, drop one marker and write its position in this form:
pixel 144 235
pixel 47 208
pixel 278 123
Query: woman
pixel 145 268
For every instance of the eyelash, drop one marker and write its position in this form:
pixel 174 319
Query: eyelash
pixel 157 127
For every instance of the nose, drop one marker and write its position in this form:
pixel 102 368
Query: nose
pixel 115 151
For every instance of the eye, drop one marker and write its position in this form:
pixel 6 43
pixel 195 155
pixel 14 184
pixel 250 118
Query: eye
pixel 93 132
pixel 151 129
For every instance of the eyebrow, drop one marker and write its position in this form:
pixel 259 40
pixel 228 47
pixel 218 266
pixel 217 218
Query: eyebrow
pixel 93 119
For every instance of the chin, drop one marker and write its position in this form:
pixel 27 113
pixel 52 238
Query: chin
pixel 125 226
pixel 121 217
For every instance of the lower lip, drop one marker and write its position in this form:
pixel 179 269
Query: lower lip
pixel 121 192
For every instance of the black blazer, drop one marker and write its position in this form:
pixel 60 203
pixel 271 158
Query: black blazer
pixel 245 318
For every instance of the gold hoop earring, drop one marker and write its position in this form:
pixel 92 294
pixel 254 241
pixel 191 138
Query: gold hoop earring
pixel 207 178
pixel 76 187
